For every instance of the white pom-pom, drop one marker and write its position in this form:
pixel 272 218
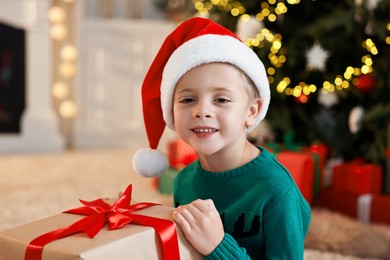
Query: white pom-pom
pixel 150 163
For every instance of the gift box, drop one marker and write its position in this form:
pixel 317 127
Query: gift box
pixel 387 165
pixel 301 166
pixel 380 205
pixel 357 177
pixel 165 181
pixel 306 165
pixel 321 151
pixel 180 154
pixel 130 241
pixel 367 208
pixel 339 201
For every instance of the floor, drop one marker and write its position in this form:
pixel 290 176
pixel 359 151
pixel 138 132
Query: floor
pixel 34 186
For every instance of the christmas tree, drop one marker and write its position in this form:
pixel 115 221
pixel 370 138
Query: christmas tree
pixel 328 64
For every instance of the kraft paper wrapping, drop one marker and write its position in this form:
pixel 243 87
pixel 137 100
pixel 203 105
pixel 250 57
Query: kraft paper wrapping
pixel 129 242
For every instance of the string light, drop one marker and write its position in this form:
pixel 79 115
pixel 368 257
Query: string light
pixel 58 32
pixel 271 10
pixel 204 7
pixel 69 53
pixel 60 90
pixel 65 59
pixel 68 109
pixel 67 69
pixel 293 2
pixel 57 15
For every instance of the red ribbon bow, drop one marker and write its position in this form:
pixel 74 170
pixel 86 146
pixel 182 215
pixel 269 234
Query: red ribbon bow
pixel 98 212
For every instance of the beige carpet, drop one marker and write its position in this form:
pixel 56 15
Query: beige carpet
pixel 34 186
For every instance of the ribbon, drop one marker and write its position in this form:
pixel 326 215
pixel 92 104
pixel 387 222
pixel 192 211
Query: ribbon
pixel 364 207
pixel 98 213
pixel 288 144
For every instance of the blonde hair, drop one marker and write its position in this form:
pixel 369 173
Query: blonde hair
pixel 253 92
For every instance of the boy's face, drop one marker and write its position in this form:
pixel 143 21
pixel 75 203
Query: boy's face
pixel 212 108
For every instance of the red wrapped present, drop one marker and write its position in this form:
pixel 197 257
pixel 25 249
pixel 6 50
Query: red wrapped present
pixel 321 150
pixel 357 177
pixel 304 164
pixel 367 208
pixel 301 167
pixel 180 154
pixel 135 231
pixel 387 166
pixel 380 209
pixel 339 201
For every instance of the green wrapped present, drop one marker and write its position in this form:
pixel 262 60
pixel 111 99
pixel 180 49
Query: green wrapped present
pixel 165 181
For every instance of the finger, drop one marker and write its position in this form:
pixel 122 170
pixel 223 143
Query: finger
pixel 181 221
pixel 194 210
pixel 205 205
pixel 188 213
pixel 202 205
pixel 211 204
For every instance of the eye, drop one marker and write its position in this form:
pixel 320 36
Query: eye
pixel 222 100
pixel 186 100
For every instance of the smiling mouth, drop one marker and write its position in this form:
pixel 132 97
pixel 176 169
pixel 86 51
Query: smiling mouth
pixel 204 130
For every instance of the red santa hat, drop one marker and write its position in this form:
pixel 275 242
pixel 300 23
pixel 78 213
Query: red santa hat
pixel 195 42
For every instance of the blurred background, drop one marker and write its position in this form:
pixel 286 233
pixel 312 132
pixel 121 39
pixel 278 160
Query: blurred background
pixel 327 63
pixel 70 80
pixel 71 70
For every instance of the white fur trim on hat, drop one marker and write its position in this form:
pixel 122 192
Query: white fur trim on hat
pixel 210 48
pixel 150 162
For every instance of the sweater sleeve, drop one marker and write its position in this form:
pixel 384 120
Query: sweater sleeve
pixel 285 227
pixel 228 249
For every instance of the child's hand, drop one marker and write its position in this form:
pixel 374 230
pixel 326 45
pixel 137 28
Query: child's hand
pixel 201 224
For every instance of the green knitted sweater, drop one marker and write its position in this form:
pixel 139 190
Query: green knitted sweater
pixel 263 212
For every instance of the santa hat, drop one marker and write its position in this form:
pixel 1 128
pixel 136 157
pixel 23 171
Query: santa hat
pixel 195 42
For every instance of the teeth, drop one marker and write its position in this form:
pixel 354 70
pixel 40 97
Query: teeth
pixel 204 130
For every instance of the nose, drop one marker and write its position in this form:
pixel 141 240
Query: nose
pixel 201 110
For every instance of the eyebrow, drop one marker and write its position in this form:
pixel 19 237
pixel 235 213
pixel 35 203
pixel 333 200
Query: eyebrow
pixel 222 89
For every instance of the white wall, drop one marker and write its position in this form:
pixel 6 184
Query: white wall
pixel 141 9
pixel 114 57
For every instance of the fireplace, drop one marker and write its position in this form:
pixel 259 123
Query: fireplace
pixel 12 78
pixel 27 117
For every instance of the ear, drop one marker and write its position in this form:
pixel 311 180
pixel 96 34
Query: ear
pixel 253 112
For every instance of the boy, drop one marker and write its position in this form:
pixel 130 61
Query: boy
pixel 236 201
